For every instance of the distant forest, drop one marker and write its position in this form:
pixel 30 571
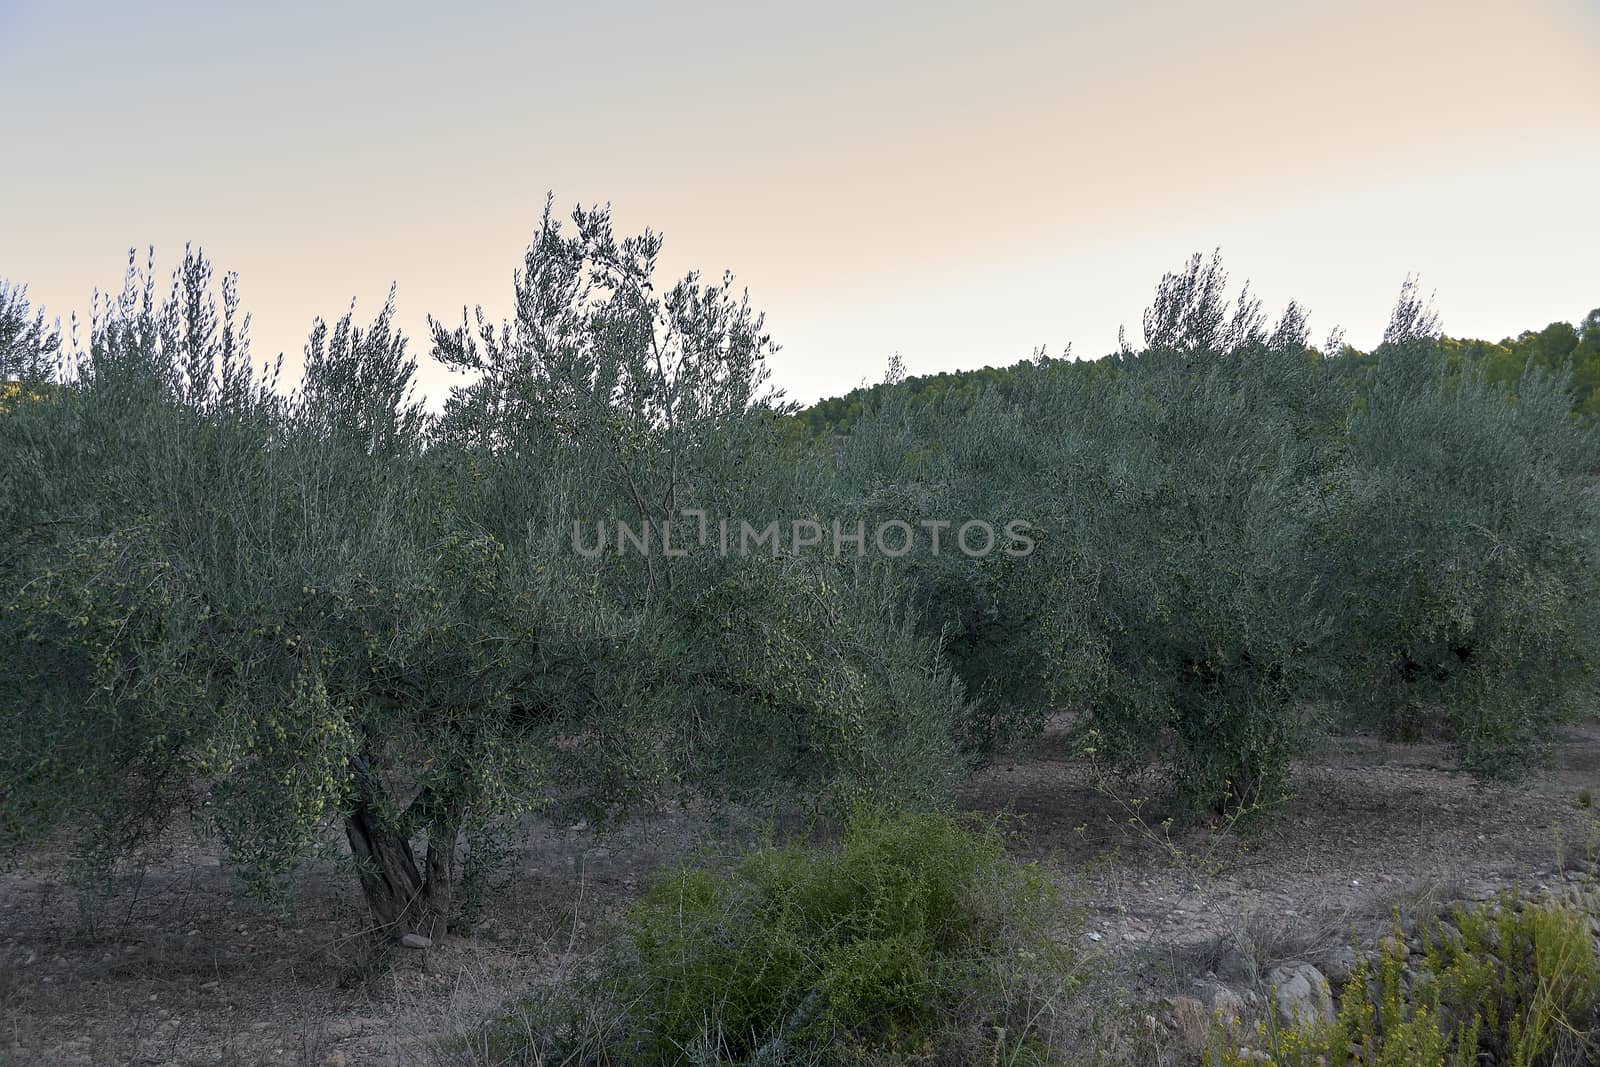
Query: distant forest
pixel 1557 346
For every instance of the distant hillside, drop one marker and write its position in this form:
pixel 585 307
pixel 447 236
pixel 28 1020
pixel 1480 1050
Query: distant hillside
pixel 838 414
pixel 1556 346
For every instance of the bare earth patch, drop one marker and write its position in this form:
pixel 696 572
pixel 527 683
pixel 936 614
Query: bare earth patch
pixel 174 965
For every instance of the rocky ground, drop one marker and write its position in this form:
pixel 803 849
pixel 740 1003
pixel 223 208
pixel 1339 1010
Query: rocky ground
pixel 174 965
pixel 1371 825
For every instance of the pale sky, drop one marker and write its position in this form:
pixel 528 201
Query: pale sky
pixel 959 183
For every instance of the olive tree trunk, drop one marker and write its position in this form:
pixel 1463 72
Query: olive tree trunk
pixel 405 897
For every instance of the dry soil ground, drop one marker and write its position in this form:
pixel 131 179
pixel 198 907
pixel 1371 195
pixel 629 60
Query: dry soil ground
pixel 175 965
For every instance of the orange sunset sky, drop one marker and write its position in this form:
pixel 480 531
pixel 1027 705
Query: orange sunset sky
pixel 959 182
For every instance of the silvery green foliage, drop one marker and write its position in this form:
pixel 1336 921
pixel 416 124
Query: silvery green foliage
pixel 952 462
pixel 1177 615
pixel 1190 313
pixel 1162 604
pixel 659 394
pixel 29 347
pixel 1240 535
pixel 1461 530
pixel 768 677
pixel 359 383
pixel 1174 613
pixel 193 344
pixel 100 619
pixel 291 613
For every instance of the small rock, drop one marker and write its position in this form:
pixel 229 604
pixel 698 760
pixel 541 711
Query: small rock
pixel 1302 994
pixel 1236 966
pixel 1220 1000
pixel 416 941
pixel 1339 965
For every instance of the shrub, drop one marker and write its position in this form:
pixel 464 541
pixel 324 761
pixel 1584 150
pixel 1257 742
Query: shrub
pixel 1516 981
pixel 914 939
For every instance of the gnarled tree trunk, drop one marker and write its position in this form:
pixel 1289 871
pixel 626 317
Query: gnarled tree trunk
pixel 404 898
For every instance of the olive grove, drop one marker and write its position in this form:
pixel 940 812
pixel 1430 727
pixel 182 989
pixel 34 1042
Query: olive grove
pixel 320 618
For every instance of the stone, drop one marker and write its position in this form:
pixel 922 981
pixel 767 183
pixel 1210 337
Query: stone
pixel 1339 965
pixel 1236 966
pixel 416 941
pixel 1301 994
pixel 1220 1000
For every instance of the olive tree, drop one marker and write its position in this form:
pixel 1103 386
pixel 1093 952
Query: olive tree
pixel 773 676
pixel 1178 618
pixel 1463 534
pixel 285 612
pixel 1168 603
pixel 940 466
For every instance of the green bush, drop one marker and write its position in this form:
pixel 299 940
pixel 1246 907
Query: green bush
pixel 915 939
pixel 1514 980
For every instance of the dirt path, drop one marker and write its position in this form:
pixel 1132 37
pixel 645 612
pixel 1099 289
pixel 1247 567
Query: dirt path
pixel 176 966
